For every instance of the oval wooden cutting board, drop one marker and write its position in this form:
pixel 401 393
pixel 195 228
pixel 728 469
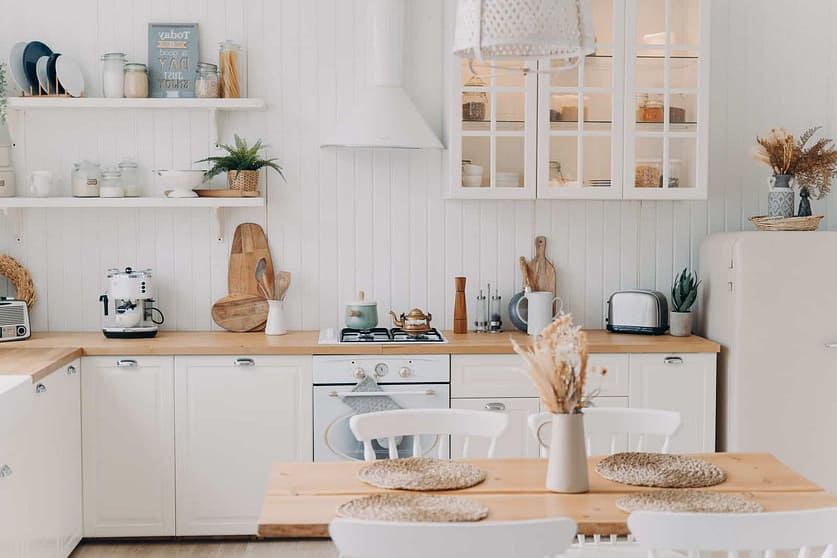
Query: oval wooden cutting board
pixel 541 270
pixel 240 312
pixel 249 245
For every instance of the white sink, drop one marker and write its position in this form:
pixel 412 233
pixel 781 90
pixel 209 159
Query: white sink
pixel 15 398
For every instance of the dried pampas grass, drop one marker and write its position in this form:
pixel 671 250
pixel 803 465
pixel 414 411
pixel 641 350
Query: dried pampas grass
pixel 557 364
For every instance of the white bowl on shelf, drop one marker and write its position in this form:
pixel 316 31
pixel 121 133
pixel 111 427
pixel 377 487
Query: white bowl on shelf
pixel 181 182
pixel 472 181
pixel 472 170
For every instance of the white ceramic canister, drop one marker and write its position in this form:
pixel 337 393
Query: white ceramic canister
pixel 113 75
pixel 131 179
pixel 85 180
pixel 7 183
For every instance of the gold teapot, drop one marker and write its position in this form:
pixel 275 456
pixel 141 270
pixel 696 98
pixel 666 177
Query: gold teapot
pixel 415 322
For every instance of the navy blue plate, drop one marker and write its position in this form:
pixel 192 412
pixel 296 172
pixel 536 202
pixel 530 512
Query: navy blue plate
pixel 51 73
pixel 31 53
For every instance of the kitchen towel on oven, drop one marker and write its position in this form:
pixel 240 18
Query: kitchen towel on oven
pixel 362 404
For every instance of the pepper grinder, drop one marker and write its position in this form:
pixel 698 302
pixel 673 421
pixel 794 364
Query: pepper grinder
pixel 460 310
pixel 481 323
pixel 495 323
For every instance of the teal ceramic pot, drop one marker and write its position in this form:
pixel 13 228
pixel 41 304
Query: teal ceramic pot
pixel 361 314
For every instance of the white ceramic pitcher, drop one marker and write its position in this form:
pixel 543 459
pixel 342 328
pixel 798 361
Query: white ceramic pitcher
pixel 566 470
pixel 275 318
pixel 540 312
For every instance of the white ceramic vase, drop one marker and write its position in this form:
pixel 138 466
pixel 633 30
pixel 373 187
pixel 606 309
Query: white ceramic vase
pixel 681 324
pixel 567 467
pixel 275 318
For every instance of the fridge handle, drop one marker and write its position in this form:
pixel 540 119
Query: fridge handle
pixel 831 345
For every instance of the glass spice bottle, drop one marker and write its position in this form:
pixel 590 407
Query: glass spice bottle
pixel 207 81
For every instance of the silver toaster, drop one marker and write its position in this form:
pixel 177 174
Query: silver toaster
pixel 14 320
pixel 637 311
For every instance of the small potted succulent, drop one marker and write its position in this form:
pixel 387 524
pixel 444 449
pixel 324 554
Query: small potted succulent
pixel 241 163
pixel 683 296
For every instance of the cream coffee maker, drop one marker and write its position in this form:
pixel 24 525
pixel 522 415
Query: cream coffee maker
pixel 128 310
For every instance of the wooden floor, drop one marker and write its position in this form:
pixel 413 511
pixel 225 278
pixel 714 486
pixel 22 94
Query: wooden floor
pixel 211 549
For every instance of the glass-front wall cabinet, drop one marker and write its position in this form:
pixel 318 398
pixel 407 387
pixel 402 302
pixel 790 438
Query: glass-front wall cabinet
pixel 629 121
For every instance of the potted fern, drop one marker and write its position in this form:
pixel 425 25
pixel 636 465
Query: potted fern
pixel 683 296
pixel 241 163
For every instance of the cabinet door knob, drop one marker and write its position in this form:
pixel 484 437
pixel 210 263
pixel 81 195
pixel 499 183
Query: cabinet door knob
pixel 673 360
pixel 71 370
pixel 5 471
pixel 245 362
pixel 495 406
pixel 126 363
pixel 40 388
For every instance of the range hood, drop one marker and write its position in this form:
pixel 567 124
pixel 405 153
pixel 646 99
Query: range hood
pixel 384 116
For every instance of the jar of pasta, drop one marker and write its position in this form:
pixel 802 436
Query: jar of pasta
pixel 233 67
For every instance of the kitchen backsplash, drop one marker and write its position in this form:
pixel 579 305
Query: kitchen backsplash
pixel 349 220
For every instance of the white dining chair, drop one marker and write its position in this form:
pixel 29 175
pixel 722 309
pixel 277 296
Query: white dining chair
pixel 616 423
pixel 390 425
pixel 539 538
pixel 768 533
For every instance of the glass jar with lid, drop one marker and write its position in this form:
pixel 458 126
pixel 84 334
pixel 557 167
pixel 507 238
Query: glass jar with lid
pixel 131 179
pixel 136 80
pixel 113 80
pixel 110 185
pixel 650 109
pixel 233 70
pixel 475 102
pixel 207 81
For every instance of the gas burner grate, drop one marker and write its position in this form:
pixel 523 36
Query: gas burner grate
pixel 432 336
pixel 394 335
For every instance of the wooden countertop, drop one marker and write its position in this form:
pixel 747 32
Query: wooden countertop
pixel 301 498
pixel 45 352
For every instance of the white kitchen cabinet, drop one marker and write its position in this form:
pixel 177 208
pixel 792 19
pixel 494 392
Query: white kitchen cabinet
pixel 15 468
pixel 128 446
pixel 235 417
pixel 516 442
pixel 679 382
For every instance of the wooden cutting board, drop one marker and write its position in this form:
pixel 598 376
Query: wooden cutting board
pixel 240 312
pixel 249 245
pixel 541 270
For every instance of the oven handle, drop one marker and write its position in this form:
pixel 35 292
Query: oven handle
pixel 342 394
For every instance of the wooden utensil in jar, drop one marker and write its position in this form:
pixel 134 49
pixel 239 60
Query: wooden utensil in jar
pixel 283 282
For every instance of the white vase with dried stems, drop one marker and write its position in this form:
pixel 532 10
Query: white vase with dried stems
pixel 557 364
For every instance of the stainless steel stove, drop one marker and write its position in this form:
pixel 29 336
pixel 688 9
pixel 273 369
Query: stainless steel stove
pixel 379 335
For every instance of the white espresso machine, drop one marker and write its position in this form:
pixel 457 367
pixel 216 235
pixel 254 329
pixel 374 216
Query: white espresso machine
pixel 128 310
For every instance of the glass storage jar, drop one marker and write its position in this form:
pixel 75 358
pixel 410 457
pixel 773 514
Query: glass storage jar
pixel 113 80
pixel 136 80
pixel 233 68
pixel 475 103
pixel 207 81
pixel 131 179
pixel 110 185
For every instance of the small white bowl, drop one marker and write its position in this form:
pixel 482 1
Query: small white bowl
pixel 472 170
pixel 472 181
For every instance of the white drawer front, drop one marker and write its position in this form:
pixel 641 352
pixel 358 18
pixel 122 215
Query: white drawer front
pixel 505 376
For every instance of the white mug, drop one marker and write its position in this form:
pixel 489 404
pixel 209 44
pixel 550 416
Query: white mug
pixel 40 182
pixel 275 318
pixel 540 310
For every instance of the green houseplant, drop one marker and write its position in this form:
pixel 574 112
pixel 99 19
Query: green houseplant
pixel 683 296
pixel 241 163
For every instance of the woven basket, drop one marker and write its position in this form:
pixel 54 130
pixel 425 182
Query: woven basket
pixel 763 223
pixel 246 180
pixel 20 278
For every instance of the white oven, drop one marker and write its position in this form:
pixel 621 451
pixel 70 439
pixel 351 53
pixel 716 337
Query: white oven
pixel 408 382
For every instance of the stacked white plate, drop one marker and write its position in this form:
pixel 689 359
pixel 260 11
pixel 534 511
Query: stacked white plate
pixel 508 180
pixel 599 182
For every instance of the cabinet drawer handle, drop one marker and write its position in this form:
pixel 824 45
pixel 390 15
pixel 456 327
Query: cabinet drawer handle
pixel 495 406
pixel 673 360
pixel 245 362
pixel 5 471
pixel 831 345
pixel 40 388
pixel 126 363
pixel 71 370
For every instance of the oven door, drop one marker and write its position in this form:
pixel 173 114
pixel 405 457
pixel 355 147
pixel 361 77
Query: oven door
pixel 333 439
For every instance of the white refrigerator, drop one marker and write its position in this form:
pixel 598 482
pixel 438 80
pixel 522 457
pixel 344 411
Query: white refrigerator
pixel 770 300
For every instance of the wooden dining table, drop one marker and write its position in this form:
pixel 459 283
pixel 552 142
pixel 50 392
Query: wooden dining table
pixel 302 498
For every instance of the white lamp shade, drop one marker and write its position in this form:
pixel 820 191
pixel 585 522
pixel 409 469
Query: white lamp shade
pixel 517 29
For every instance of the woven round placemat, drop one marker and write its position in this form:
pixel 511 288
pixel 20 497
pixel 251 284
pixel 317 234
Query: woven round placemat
pixel 413 507
pixel 421 473
pixel 679 500
pixel 660 470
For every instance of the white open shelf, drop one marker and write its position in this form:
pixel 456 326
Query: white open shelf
pixel 27 103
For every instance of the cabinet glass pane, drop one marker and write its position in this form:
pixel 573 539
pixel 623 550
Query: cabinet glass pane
pixel 563 78
pixel 683 72
pixel 476 106
pixel 685 22
pixel 476 152
pixel 683 112
pixel 510 75
pixel 649 162
pixel 598 110
pixel 650 72
pixel 651 22
pixel 602 11
pixel 598 71
pixel 597 169
pixel 482 73
pixel 650 111
pixel 563 107
pixel 682 154
pixel 563 161
pixel 510 162
pixel 510 108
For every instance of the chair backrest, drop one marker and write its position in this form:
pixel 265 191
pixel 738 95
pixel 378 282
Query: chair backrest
pixel 390 425
pixel 730 532
pixel 540 538
pixel 616 422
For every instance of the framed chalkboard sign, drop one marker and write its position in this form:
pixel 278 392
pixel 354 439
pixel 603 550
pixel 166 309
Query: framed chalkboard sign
pixel 172 59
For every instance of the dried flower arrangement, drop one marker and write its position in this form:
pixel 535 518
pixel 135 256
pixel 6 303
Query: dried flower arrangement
pixel 557 364
pixel 814 166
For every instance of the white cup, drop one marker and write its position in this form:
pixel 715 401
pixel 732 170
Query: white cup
pixel 540 310
pixel 275 318
pixel 40 183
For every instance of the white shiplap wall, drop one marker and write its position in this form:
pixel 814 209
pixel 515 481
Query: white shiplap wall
pixel 357 219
